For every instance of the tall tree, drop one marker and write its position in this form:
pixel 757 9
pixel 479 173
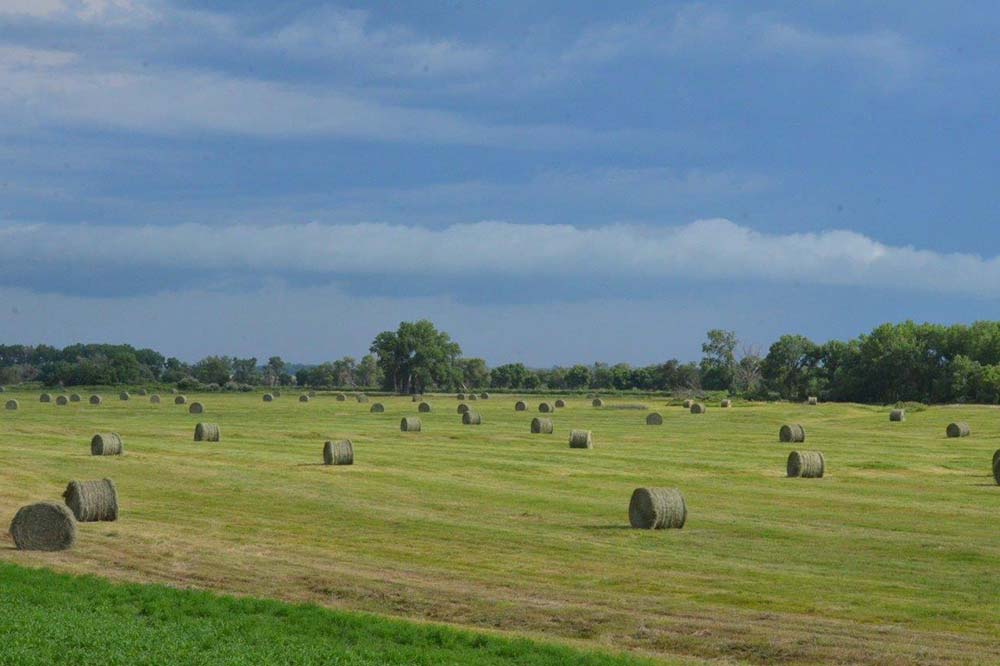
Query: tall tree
pixel 719 359
pixel 416 356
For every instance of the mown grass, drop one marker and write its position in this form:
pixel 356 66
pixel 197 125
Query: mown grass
pixel 888 559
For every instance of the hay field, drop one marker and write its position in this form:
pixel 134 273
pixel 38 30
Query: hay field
pixel 889 559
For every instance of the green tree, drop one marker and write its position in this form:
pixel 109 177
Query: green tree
pixel 787 367
pixel 245 370
pixel 213 370
pixel 416 356
pixel 719 359
pixel 511 375
pixel 368 372
pixel 475 373
pixel 578 377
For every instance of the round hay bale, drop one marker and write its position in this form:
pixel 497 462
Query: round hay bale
pixel 43 526
pixel 180 400
pixel 409 424
pixel 362 397
pixel 654 418
pixel 581 439
pixel 207 432
pixel 560 403
pixel 697 408
pixel 484 396
pixel 897 415
pixel 277 394
pixel 338 453
pixel 74 397
pixel 95 399
pixel 958 430
pixel 196 408
pixel 106 444
pixel 473 396
pixel 462 408
pixel 726 404
pixel 541 426
pixel 312 394
pixel 142 392
pixel 813 400
pixel 11 405
pixel 62 400
pixel 545 408
pixel 124 395
pixel 341 397
pixel 472 418
pixel 154 399
pixel 657 509
pixel 996 466
pixel 303 398
pixel 377 408
pixel 45 397
pixel 792 433
pixel 173 391
pixel 520 406
pixel 806 464
pixel 460 396
pixel 688 403
pixel 597 402
pixel 91 501
pixel 424 407
pixel 268 397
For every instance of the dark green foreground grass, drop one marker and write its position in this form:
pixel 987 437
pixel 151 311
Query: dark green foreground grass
pixel 48 618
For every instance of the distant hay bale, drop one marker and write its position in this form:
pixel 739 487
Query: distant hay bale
pixel 460 396
pixel 341 397
pixel 545 408
pixel 207 432
pixel 142 392
pixel 726 404
pixel 92 501
pixel 268 397
pixel 106 444
pixel 520 406
pixel 424 407
pixel 996 466
pixel 180 400
pixel 697 408
pixel 74 397
pixel 688 403
pixel 654 418
pixel 62 400
pixel 43 526
pixel 560 403
pixel 484 396
pixel 541 426
pixel 303 398
pixel 409 424
pixel 11 405
pixel 196 408
pixel 312 394
pixel 124 395
pixel 338 453
pixel 597 402
pixel 897 415
pixel 657 509
pixel 813 400
pixel 377 408
pixel 792 433
pixel 581 439
pixel 45 397
pixel 462 408
pixel 95 399
pixel 154 399
pixel 361 397
pixel 472 418
pixel 173 391
pixel 958 430
pixel 806 464
pixel 473 396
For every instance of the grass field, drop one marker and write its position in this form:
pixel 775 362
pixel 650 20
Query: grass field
pixel 889 559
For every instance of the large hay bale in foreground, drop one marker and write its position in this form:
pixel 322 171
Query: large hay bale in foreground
pixel 726 404
pixel 377 408
pixel 409 424
pixel 45 397
pixel 597 402
pixel 106 444
pixel 560 403
pixel 657 509
pixel 792 433
pixel 338 453
pixel 897 415
pixel 268 397
pixel 541 426
pixel 472 418
pixel 154 399
pixel 654 419
pixel 688 403
pixel 462 408
pixel 43 526
pixel 95 399
pixel 697 408
pixel 520 406
pixel 581 439
pixel 11 405
pixel 74 397
pixel 362 397
pixel 813 400
pixel 958 430
pixel 124 395
pixel 341 397
pixel 207 432
pixel 196 408
pixel 303 398
pixel 180 400
pixel 91 501
pixel 424 407
pixel 545 408
pixel 62 400
pixel 806 464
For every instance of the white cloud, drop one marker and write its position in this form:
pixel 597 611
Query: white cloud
pixel 704 250
pixel 105 11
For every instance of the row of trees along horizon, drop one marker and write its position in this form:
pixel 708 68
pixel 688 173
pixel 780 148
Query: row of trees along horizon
pixel 928 363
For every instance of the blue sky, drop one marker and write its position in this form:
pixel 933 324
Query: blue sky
pixel 549 182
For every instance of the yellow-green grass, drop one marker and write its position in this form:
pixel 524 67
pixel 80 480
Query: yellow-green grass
pixel 890 558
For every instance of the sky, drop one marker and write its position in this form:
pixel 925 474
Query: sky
pixel 549 182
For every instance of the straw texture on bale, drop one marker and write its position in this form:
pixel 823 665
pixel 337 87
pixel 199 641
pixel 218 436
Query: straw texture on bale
pixel 462 408
pixel 196 408
pixel 341 397
pixel 597 402
pixel 207 432
pixel 11 405
pixel 303 398
pixel 806 464
pixel 545 408
pixel 62 400
pixel 74 397
pixel 726 404
pixel 180 400
pixel 792 433
pixel 654 419
pixel 581 439
pixel 43 526
pixel 338 453
pixel 472 418
pixel 377 408
pixel 154 399
pixel 92 501
pixel 409 424
pixel 484 396
pixel 813 400
pixel 45 397
pixel 697 408
pixel 541 426
pixel 95 400
pixel 688 403
pixel 124 395
pixel 268 397
pixel 897 415
pixel 362 397
pixel 424 407
pixel 520 406
pixel 958 430
pixel 106 444
pixel 657 509
pixel 560 403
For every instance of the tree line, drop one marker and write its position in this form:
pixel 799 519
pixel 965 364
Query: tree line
pixel 928 363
